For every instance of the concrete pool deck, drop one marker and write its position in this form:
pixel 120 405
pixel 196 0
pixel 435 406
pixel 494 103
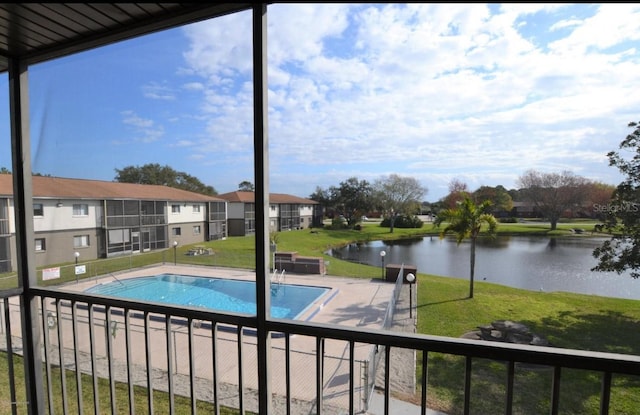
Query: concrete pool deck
pixel 350 302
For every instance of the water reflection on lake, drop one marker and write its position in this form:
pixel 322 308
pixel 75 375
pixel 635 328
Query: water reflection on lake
pixel 533 263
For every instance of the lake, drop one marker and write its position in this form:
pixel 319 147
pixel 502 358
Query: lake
pixel 532 263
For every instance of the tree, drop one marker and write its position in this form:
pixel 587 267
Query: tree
pixel 553 194
pixel 500 199
pixel 622 251
pixel 458 190
pixel 352 198
pixel 395 195
pixel 323 197
pixel 466 221
pixel 246 186
pixel 4 170
pixel 153 173
pixel 598 195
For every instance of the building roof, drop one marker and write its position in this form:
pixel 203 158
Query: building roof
pixel 277 198
pixel 46 187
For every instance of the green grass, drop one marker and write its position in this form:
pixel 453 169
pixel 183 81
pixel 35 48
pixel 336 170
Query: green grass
pixel 542 229
pixel 567 320
pixel 182 404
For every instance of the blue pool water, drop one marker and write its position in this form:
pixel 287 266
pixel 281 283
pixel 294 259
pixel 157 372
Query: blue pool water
pixel 219 294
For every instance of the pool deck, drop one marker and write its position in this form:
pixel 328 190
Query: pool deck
pixel 351 302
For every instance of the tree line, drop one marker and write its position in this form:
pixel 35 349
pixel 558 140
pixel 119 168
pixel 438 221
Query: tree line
pixel 552 196
pixel 391 196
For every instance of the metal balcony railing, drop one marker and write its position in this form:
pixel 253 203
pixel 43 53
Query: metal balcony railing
pixel 98 349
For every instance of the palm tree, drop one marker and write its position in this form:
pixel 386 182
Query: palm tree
pixel 466 221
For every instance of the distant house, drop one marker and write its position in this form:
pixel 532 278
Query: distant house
pixel 101 219
pixel 286 212
pixel 523 210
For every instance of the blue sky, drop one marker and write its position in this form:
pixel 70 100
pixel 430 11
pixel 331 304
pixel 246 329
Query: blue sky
pixel 473 92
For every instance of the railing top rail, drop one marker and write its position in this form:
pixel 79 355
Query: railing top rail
pixel 147 306
pixel 541 355
pixel 11 292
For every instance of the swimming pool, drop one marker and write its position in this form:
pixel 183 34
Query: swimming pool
pixel 218 294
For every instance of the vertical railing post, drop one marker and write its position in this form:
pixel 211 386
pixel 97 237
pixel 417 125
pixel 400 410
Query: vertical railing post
pixel 6 318
pixel 25 253
pixel 555 390
pixel 319 374
pixel 467 384
pixel 605 393
pixel 365 381
pixel 261 177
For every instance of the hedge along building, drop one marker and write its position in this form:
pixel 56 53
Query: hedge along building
pixel 101 219
pixel 286 212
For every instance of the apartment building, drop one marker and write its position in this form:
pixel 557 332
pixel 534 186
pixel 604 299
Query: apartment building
pixel 286 212
pixel 99 219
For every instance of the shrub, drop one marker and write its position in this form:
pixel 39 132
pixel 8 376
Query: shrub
pixel 338 223
pixel 403 221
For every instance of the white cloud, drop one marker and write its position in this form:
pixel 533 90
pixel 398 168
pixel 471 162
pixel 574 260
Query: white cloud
pixel 611 25
pixel 296 34
pixel 131 118
pixel 156 91
pixel 220 48
pixel 144 129
pixel 436 91
pixel 194 86
pixel 185 143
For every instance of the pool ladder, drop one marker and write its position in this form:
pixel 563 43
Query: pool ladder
pixel 277 278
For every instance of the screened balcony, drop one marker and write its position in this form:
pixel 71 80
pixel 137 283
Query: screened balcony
pixel 73 352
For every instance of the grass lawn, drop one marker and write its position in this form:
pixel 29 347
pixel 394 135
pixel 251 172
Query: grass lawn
pixel 566 320
pixel 182 405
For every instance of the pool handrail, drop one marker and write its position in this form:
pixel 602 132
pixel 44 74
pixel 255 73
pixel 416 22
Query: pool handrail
pixel 116 278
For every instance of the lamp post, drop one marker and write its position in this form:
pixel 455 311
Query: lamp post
pixel 410 279
pixel 77 255
pixel 382 254
pixel 175 248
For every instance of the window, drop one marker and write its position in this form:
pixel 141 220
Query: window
pixel 80 209
pixel 196 208
pixel 176 231
pixel 175 208
pixel 81 241
pixel 196 230
pixel 217 211
pixel 40 245
pixel 38 210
